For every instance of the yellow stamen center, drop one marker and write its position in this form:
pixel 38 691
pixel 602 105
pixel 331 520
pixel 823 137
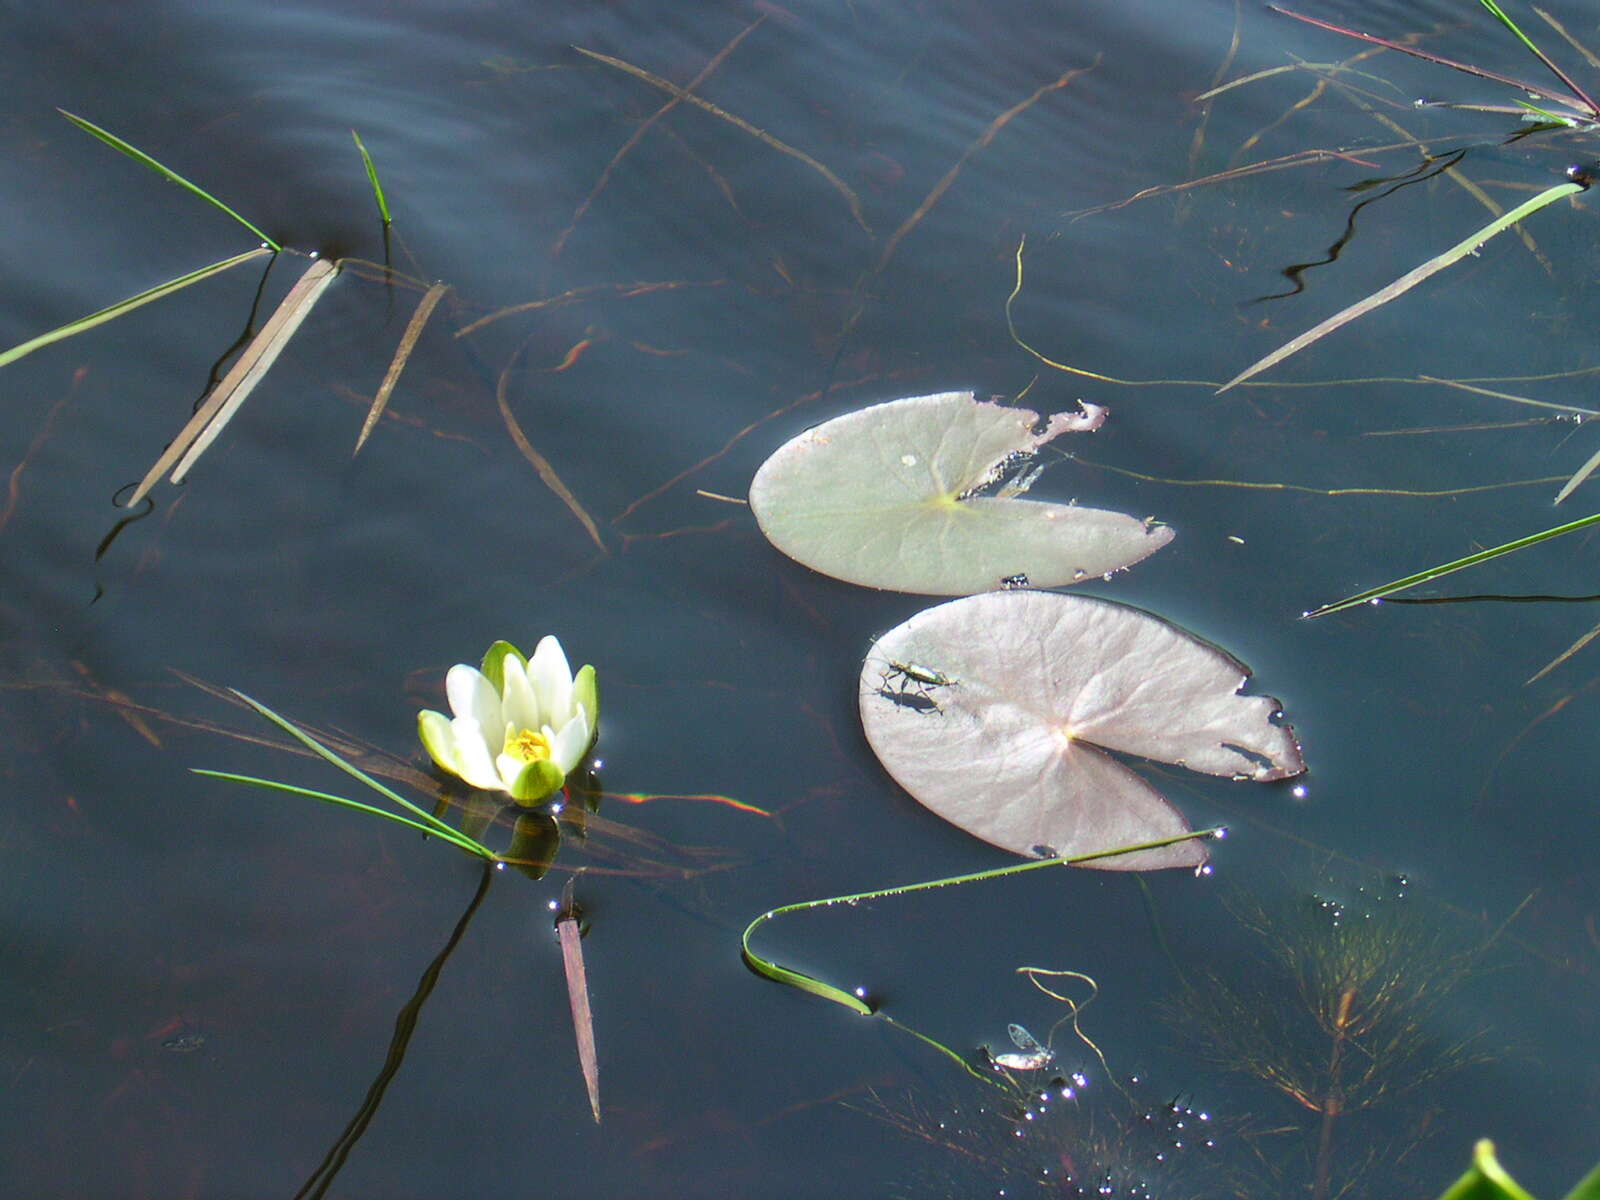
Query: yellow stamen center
pixel 527 746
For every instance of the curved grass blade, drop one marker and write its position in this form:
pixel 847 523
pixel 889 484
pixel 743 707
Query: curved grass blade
pixel 449 835
pixel 128 305
pixel 1471 560
pixel 372 176
pixel 856 1002
pixel 133 152
pixel 1407 281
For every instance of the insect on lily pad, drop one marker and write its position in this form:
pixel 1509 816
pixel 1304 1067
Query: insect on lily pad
pixel 914 496
pixel 1039 690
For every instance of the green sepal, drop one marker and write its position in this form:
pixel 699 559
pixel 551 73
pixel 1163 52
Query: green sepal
pixel 1487 1180
pixel 494 669
pixel 586 695
pixel 433 728
pixel 537 780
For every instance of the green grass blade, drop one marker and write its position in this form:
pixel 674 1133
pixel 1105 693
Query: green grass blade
pixel 274 785
pixel 1588 1189
pixel 372 176
pixel 1472 560
pixel 124 306
pixel 1549 63
pixel 349 768
pixel 166 173
pixel 855 1003
pixel 1406 282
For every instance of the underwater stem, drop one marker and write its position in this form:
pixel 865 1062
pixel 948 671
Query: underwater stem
pixel 1333 1102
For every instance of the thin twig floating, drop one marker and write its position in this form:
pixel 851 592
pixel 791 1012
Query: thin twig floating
pixel 139 156
pixel 1406 282
pixel 402 355
pixel 762 135
pixel 128 305
pixel 644 127
pixel 571 935
pixel 252 365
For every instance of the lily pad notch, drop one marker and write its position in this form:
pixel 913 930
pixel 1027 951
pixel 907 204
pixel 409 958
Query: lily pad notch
pixel 913 495
pixel 1001 713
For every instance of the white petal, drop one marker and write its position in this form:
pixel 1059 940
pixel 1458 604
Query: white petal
pixel 509 767
pixel 519 706
pixel 472 696
pixel 477 765
pixel 567 747
pixel 439 739
pixel 552 680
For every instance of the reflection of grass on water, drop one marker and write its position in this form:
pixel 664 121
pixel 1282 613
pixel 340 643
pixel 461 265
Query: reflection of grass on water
pixel 1343 1016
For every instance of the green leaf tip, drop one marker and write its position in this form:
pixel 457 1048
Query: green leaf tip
pixel 372 177
pixel 167 173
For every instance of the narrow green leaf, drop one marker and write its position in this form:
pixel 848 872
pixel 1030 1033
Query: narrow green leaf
pixel 166 173
pixel 1471 560
pixel 1549 63
pixel 128 305
pixel 274 785
pixel 1589 1189
pixel 349 768
pixel 372 176
pixel 1406 282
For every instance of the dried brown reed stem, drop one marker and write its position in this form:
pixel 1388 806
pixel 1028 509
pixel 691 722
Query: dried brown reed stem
pixel 250 368
pixel 402 355
pixel 570 933
pixel 638 134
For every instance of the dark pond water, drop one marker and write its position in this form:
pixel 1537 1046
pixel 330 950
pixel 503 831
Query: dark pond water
pixel 202 982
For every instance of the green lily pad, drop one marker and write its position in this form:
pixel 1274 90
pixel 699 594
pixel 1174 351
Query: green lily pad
pixel 997 712
pixel 892 497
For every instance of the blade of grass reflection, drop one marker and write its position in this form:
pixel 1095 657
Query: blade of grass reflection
pixel 405 1024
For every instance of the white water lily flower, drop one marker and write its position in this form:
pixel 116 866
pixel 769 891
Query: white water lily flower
pixel 520 725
